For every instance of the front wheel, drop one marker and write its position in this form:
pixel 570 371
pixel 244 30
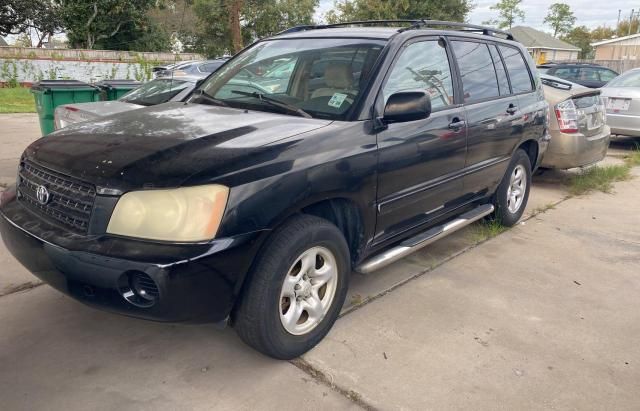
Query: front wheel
pixel 296 289
pixel 512 194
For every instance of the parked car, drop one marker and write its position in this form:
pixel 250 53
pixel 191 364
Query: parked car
pixel 587 75
pixel 190 68
pixel 151 93
pixel 579 135
pixel 255 207
pixel 622 99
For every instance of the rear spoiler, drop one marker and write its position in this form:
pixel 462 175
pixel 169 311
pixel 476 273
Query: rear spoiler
pixel 562 85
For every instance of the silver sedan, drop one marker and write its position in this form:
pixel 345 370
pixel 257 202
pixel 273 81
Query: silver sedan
pixel 622 99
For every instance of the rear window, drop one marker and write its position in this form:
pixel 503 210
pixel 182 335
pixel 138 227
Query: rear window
pixel 607 75
pixel 628 79
pixel 478 74
pixel 517 69
pixel 588 74
pixel 209 67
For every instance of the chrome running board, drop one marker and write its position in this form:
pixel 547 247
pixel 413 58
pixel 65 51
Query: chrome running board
pixel 423 239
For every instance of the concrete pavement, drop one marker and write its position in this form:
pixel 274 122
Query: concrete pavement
pixel 543 316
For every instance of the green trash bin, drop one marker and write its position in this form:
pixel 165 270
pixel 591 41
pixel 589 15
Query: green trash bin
pixel 50 94
pixel 115 89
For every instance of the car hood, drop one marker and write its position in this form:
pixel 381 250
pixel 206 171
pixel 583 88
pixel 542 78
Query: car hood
pixel 162 146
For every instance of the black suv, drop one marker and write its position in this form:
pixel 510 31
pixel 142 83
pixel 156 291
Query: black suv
pixel 254 200
pixel 588 75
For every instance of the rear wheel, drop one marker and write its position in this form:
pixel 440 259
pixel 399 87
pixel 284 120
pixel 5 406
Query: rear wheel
pixel 296 289
pixel 510 199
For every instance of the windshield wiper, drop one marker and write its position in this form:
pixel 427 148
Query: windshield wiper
pixel 274 102
pixel 204 96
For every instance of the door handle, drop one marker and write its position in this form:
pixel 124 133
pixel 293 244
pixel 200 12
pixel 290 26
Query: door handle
pixel 512 109
pixel 457 124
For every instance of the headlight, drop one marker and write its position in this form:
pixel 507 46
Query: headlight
pixel 188 214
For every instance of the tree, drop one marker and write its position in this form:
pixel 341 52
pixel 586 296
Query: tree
pixel 352 10
pixel 14 15
pixel 23 40
pixel 508 12
pixel 225 26
pixel 627 27
pixel 92 22
pixel 580 37
pixel 44 19
pixel 602 33
pixel 178 19
pixel 560 18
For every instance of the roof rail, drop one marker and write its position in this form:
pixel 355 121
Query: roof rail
pixel 487 31
pixel 345 24
pixel 414 24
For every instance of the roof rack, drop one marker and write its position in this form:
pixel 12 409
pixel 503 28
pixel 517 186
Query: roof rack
pixel 414 24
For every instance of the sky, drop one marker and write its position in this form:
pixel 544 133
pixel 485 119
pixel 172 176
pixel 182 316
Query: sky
pixel 589 13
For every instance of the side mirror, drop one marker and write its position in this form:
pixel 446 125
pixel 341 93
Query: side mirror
pixel 407 106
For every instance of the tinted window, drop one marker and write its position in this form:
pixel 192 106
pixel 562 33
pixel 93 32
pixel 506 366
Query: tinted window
pixel 607 75
pixel 422 66
pixel 503 83
pixel 478 75
pixel 588 74
pixel 517 69
pixel 209 67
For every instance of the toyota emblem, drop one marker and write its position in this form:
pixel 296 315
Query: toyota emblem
pixel 43 195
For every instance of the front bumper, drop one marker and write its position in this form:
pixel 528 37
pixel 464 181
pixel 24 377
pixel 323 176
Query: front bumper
pixel 624 124
pixel 569 150
pixel 196 283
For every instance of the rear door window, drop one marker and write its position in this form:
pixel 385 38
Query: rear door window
pixel 517 69
pixel 503 82
pixel 479 80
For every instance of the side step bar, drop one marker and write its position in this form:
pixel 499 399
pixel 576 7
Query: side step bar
pixel 423 239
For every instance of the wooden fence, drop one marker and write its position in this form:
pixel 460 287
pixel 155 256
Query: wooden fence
pixel 11 52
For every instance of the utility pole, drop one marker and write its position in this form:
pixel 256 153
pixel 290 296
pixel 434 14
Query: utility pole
pixel 618 24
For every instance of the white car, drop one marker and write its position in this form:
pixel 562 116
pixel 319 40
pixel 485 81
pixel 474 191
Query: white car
pixel 622 100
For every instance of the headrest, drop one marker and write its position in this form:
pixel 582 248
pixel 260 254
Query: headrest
pixel 338 76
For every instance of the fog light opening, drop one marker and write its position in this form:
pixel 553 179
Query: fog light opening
pixel 139 289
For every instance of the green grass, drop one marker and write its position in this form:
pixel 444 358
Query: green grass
pixel 486 229
pixel 598 179
pixel 16 100
pixel 633 159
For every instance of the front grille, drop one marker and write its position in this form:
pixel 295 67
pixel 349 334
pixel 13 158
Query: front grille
pixel 70 200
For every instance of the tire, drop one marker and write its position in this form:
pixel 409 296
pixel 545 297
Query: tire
pixel 510 206
pixel 266 316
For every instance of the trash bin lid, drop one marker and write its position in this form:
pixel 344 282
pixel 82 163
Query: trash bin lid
pixel 53 84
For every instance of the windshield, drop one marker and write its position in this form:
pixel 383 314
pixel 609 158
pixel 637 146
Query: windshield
pixel 628 79
pixel 156 92
pixel 320 78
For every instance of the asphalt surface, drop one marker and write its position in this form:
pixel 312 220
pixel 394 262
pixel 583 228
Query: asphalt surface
pixel 544 316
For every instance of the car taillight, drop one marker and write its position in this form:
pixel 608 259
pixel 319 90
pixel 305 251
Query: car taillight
pixel 603 108
pixel 567 116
